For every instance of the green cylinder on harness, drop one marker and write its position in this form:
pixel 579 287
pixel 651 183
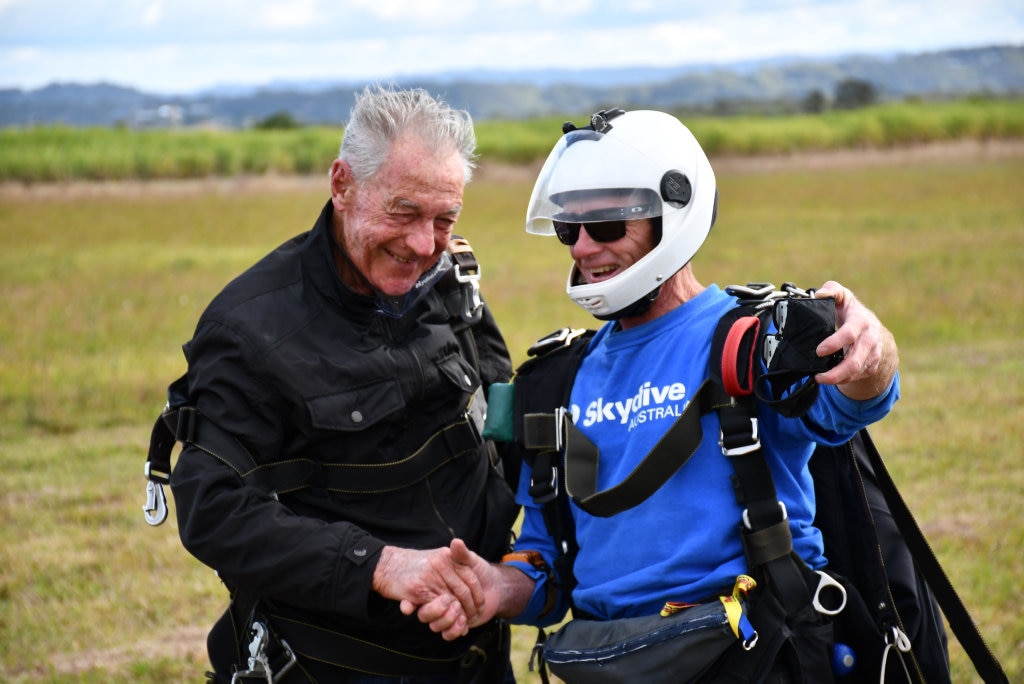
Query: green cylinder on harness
pixel 499 424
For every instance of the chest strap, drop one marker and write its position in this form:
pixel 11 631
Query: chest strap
pixel 550 431
pixel 186 425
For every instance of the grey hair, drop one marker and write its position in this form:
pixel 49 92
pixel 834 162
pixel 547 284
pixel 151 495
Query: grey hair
pixel 381 115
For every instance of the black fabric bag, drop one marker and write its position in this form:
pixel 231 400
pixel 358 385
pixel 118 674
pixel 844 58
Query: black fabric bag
pixel 864 544
pixel 654 649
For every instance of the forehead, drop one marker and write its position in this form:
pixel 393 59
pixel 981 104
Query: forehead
pixel 411 163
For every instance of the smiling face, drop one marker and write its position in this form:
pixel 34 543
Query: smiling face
pixel 598 261
pixel 396 225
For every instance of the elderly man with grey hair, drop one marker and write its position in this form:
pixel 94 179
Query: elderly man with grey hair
pixel 334 396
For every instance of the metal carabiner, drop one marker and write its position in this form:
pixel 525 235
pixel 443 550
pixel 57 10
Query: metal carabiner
pixel 259 668
pixel 259 663
pixel 472 303
pixel 826 581
pixel 156 504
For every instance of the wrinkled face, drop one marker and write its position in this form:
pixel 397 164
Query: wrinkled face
pixel 599 261
pixel 397 224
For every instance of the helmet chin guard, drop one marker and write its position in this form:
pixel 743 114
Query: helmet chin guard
pixel 637 165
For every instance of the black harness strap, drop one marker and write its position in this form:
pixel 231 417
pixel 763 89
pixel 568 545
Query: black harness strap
pixel 949 600
pixel 541 431
pixel 767 538
pixel 191 428
pixel 671 452
pixel 765 532
pixel 347 652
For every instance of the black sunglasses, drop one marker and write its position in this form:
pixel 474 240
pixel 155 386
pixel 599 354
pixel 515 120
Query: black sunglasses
pixel 568 232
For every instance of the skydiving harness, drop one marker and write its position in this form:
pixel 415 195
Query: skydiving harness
pixel 787 385
pixel 271 656
pixel 180 422
pixel 779 329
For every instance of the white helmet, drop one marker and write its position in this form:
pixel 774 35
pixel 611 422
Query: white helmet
pixel 647 164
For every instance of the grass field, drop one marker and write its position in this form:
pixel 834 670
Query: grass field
pixel 99 286
pixel 61 153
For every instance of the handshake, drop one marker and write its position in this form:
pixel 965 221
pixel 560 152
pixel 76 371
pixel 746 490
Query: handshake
pixel 451 589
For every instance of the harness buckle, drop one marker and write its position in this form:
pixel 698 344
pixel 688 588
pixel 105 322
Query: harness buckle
pixel 746 516
pixel 259 663
pixel 559 423
pixel 156 504
pixel 472 304
pixel 827 584
pixel 751 291
pixel 543 493
pixel 155 507
pixel 748 446
pixel 560 338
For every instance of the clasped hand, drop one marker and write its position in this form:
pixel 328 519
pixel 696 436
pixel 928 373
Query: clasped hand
pixel 451 589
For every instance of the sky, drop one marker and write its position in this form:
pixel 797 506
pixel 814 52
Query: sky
pixel 186 46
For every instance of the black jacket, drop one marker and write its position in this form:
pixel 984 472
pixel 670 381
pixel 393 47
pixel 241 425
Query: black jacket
pixel 296 365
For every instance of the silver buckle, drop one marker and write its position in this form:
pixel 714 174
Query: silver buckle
pixel 155 508
pixel 746 448
pixel 559 432
pixel 259 664
pixel 826 581
pixel 746 515
pixel 472 304
pixel 559 338
pixel 751 290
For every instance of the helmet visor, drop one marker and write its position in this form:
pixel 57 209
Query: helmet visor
pixel 591 177
pixel 605 204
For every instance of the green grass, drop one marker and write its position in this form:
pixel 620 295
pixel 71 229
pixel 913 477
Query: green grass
pixel 56 153
pixel 886 125
pixel 98 291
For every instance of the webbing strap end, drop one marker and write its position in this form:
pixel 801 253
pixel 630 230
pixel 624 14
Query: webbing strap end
pixel 185 430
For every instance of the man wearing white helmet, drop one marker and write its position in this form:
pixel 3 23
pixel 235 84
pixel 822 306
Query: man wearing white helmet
pixel 633 196
pixel 647 168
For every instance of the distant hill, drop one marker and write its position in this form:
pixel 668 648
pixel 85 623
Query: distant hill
pixel 995 70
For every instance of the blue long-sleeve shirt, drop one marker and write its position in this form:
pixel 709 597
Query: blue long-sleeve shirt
pixel 683 543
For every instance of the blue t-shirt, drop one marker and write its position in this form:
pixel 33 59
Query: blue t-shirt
pixel 682 543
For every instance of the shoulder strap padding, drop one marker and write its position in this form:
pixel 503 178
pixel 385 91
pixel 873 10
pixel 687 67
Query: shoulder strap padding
pixel 543 383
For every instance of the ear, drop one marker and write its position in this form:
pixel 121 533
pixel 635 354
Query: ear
pixel 342 184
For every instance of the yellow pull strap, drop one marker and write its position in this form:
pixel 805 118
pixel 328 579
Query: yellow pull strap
pixel 733 611
pixel 741 627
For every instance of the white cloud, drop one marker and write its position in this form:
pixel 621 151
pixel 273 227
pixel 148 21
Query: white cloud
pixel 563 8
pixel 288 15
pixel 153 14
pixel 183 45
pixel 423 12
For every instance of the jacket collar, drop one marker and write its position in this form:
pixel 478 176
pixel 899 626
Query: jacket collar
pixel 318 262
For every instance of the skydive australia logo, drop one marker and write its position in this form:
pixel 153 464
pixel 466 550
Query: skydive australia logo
pixel 647 404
